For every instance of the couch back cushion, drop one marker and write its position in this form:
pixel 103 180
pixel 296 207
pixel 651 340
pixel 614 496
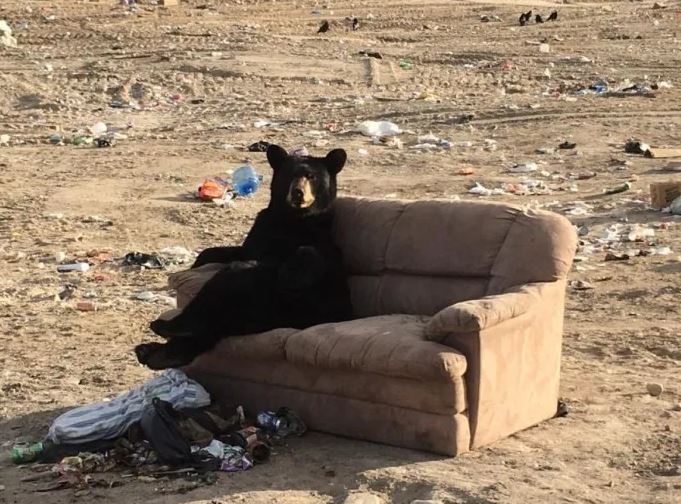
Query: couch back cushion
pixel 419 257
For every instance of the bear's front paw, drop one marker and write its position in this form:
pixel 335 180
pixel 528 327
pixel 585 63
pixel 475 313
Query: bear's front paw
pixel 145 351
pixel 158 356
pixel 173 328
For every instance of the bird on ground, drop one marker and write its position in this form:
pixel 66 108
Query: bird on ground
pixel 553 16
pixel 522 19
pixel 324 27
pixel 355 24
pixel 538 19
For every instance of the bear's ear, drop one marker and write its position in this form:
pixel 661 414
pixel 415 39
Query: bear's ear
pixel 276 156
pixel 335 160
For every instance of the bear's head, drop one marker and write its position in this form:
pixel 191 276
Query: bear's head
pixel 304 184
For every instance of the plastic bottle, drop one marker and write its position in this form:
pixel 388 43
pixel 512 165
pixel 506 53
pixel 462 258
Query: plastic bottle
pixel 81 267
pixel 245 181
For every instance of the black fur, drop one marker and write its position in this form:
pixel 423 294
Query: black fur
pixel 287 273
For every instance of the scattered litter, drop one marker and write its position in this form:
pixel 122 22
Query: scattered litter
pixel 282 423
pixel 55 139
pixel 24 453
pixel 362 152
pixel 465 171
pixel 544 48
pixel 4 140
pixel 580 285
pixel 662 85
pixel 299 152
pixel 379 128
pixel 430 141
pixel 480 190
pixel 261 123
pixel 663 153
pixel 618 189
pixel 545 150
pixel 524 168
pixel 582 175
pixel 177 255
pixel 245 181
pixel 212 188
pixel 105 142
pixel 406 64
pixel 145 260
pixel 98 129
pixel 636 147
pixel 639 233
pixel 490 18
pixel 86 306
pixel 661 251
pixel 611 256
pixel 371 54
pixel 110 419
pixel 81 267
pixel 567 145
pixel 675 206
pixel 260 146
pixel 663 194
pixel 6 38
pixel 393 142
pixel 147 296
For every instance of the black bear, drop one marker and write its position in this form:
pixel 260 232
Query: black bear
pixel 287 273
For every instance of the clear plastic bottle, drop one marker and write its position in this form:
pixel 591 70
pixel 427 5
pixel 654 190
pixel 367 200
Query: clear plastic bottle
pixel 245 181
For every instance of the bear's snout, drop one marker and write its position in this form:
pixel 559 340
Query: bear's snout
pixel 300 194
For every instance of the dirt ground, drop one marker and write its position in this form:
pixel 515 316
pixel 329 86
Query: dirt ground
pixel 204 72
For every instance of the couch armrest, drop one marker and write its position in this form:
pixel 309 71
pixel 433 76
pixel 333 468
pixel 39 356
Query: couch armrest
pixel 483 313
pixel 513 372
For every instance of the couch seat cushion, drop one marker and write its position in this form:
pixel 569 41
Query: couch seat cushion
pixel 266 346
pixel 390 345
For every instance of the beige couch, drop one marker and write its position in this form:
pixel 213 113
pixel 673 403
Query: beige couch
pixel 457 341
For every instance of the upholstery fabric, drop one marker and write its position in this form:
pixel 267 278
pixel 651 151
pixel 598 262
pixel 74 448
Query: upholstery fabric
pixel 354 418
pixel 457 338
pixel 391 345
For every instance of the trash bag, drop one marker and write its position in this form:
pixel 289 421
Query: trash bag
pixel 111 419
pixel 160 426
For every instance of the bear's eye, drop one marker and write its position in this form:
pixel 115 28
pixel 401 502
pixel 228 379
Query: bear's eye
pixel 311 176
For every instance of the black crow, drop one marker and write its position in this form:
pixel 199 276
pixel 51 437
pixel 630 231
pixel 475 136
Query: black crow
pixel 553 16
pixel 324 27
pixel 538 19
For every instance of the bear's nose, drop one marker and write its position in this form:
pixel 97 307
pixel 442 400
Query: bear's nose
pixel 297 194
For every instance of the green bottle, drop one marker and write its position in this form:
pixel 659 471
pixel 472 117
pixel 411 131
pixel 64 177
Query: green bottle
pixel 22 453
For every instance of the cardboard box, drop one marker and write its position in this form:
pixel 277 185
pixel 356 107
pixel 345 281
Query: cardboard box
pixel 663 193
pixel 663 153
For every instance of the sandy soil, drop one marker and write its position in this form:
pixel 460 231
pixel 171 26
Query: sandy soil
pixel 205 71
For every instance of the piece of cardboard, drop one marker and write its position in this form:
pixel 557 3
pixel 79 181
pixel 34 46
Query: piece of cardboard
pixel 168 3
pixel 663 153
pixel 663 193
